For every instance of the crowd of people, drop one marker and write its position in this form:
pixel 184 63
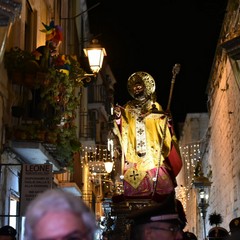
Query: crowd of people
pixel 58 215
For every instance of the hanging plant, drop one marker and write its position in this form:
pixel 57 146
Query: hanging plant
pixel 53 81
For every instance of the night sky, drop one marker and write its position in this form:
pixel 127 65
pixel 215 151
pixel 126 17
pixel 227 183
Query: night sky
pixel 153 36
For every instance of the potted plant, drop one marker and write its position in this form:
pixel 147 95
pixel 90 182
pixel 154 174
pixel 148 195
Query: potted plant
pixel 15 63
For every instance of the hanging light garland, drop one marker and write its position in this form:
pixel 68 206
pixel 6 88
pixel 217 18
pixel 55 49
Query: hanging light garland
pixel 191 156
pixel 95 157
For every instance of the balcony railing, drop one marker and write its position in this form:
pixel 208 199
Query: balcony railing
pixel 97 94
pixel 87 130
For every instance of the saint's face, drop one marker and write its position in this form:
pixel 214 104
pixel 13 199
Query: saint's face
pixel 138 91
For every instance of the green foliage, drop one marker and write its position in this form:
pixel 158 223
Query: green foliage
pixel 16 59
pixel 57 88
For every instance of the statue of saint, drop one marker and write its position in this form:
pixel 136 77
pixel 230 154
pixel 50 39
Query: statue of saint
pixel 150 153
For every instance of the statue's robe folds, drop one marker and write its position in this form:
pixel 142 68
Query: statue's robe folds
pixel 140 139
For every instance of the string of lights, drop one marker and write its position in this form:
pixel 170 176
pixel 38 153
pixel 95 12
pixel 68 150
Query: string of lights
pixel 191 156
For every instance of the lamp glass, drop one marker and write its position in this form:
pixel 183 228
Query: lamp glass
pixel 108 166
pixel 95 53
pixel 95 58
pixel 206 196
pixel 201 194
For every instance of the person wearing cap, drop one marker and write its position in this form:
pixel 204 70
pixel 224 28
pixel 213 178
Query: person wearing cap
pixel 59 215
pixel 142 126
pixel 164 221
pixel 7 233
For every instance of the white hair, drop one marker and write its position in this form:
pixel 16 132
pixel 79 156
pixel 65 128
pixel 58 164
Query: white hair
pixel 56 200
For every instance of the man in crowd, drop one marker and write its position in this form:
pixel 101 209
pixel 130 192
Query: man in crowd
pixel 164 221
pixel 189 236
pixel 55 214
pixel 7 233
pixel 234 227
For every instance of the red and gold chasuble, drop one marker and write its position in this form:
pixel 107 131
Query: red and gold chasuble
pixel 140 139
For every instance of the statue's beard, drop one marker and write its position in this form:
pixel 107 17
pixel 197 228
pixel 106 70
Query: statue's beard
pixel 139 96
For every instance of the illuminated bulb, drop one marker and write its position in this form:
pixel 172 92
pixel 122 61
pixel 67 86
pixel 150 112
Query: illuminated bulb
pixel 108 166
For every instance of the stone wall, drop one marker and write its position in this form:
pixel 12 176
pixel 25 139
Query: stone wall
pixel 223 149
pixel 220 144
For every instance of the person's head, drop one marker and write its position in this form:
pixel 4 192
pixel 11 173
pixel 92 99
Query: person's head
pixel 58 215
pixel 189 236
pixel 234 225
pixel 159 221
pixel 218 233
pixel 7 233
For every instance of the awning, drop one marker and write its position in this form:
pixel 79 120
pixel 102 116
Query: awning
pixel 33 153
pixel 9 11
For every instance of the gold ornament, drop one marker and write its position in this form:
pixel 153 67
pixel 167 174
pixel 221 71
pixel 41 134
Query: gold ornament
pixel 147 80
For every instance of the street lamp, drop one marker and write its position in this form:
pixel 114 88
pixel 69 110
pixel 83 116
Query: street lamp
pixel 203 205
pixel 109 162
pixel 108 166
pixel 95 53
pixel 202 184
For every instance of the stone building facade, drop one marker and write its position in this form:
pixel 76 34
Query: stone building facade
pixel 222 151
pixel 192 140
pixel 220 148
pixel 92 97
